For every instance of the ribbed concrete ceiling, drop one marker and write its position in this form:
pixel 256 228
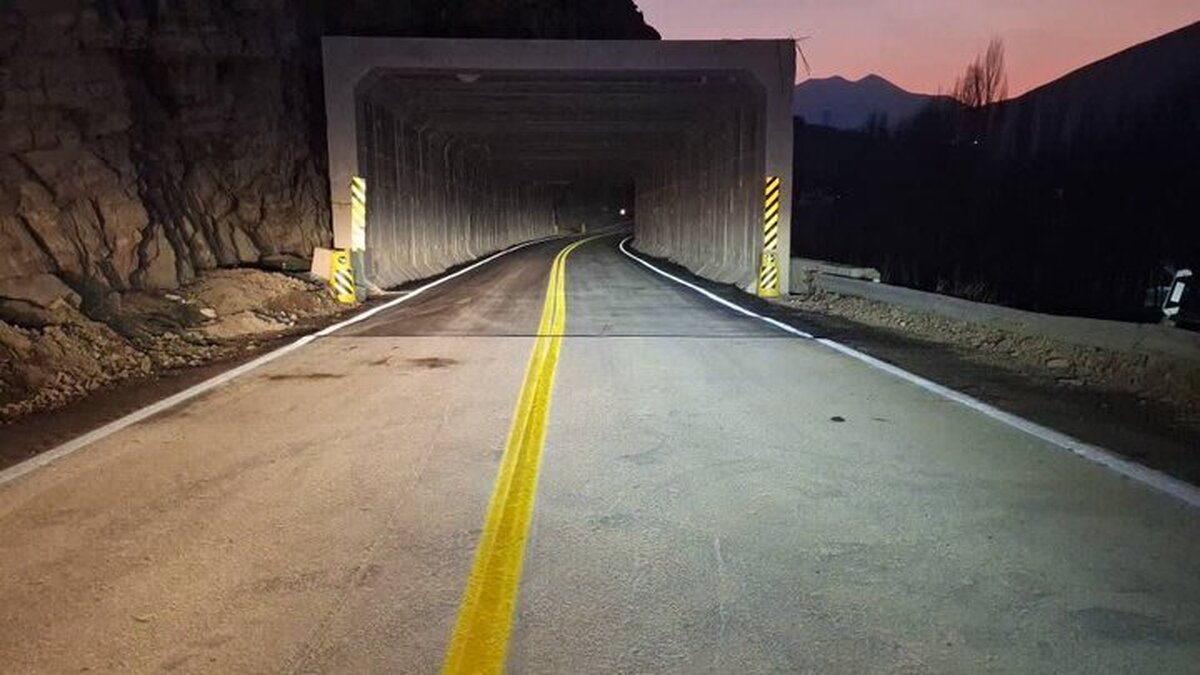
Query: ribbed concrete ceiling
pixel 562 125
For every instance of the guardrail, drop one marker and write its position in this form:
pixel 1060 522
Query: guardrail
pixel 1119 336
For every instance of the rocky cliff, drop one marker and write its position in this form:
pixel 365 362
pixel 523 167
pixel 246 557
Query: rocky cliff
pixel 143 141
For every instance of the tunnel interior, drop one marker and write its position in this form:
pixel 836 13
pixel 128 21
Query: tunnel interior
pixel 464 162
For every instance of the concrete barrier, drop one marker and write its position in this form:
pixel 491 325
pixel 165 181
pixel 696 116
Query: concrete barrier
pixel 804 266
pixel 1150 339
pixel 322 263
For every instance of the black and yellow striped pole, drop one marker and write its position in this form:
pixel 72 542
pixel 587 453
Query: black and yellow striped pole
pixel 358 205
pixel 341 278
pixel 346 275
pixel 768 271
pixel 358 234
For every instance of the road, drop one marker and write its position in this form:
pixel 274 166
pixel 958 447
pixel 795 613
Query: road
pixel 714 496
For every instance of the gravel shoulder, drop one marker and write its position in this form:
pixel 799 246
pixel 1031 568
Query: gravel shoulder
pixel 1145 408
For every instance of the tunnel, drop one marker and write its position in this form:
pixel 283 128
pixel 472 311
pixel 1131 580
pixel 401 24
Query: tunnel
pixel 470 146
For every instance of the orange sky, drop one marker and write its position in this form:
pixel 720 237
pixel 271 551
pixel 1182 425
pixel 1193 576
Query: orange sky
pixel 922 45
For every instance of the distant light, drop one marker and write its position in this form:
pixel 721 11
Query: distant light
pixel 468 78
pixel 624 212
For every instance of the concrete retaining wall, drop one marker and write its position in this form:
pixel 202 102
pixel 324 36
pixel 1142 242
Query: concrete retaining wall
pixel 1112 335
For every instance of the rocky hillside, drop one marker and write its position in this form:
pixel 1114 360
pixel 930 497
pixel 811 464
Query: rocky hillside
pixel 1151 86
pixel 142 141
pixel 1078 198
pixel 137 149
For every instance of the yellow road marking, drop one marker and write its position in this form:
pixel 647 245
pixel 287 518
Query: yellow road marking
pixel 480 640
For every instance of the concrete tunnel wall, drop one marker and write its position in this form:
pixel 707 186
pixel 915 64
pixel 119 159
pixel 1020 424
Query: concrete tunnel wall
pixel 432 204
pixel 694 204
pixel 464 142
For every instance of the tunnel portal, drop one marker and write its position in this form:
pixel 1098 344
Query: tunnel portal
pixel 469 146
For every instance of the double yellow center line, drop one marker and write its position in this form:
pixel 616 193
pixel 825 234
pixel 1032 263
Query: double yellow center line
pixel 480 640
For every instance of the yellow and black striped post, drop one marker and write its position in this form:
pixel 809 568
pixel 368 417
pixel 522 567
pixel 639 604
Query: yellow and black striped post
pixel 341 277
pixel 358 234
pixel 768 271
pixel 358 213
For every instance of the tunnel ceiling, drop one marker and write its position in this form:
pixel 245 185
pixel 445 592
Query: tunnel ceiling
pixel 555 125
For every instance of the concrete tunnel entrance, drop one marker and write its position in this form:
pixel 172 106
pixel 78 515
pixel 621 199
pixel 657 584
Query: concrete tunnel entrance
pixel 469 146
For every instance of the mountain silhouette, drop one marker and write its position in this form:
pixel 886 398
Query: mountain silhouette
pixel 845 104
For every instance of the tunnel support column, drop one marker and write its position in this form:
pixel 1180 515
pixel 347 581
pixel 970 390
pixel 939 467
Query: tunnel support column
pixel 358 235
pixel 778 145
pixel 768 273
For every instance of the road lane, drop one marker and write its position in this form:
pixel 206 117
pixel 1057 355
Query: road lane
pixel 319 514
pixel 481 633
pixel 502 298
pixel 702 511
pixel 698 510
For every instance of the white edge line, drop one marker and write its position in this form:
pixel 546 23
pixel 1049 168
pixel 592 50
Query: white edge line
pixel 1174 487
pixel 712 296
pixel 33 463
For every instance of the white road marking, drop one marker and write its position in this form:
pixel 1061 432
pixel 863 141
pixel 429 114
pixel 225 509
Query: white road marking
pixel 1174 487
pixel 17 470
pixel 714 297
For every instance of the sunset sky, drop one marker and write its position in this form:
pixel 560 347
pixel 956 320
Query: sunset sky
pixel 922 45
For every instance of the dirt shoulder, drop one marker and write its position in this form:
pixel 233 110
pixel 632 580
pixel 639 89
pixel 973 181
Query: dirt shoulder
pixel 1144 407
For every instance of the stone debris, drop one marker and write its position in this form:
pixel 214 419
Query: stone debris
pixel 56 353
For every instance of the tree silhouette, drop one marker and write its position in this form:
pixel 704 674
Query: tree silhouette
pixel 985 81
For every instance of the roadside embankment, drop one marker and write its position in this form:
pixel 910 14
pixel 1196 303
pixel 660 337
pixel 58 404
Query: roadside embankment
pixel 61 347
pixel 1148 361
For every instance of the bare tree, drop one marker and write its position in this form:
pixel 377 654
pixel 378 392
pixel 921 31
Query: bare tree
pixel 985 81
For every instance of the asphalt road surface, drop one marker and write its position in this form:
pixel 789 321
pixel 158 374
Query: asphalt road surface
pixel 714 496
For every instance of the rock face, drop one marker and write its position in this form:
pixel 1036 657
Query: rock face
pixel 137 148
pixel 143 141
